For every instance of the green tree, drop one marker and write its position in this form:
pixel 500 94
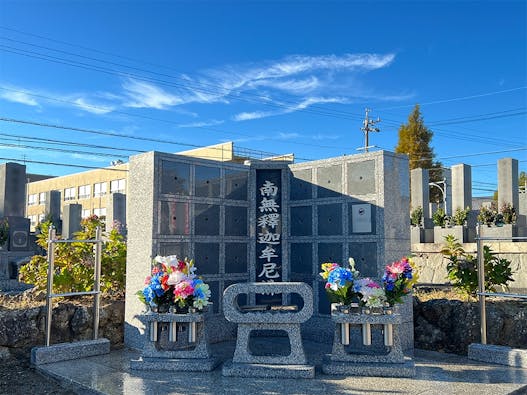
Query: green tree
pixel 74 262
pixel 414 140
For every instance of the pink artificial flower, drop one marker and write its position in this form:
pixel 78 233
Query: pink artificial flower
pixel 147 280
pixel 183 290
pixel 155 270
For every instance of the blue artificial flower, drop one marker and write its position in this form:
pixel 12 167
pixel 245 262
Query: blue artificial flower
pixel 148 294
pixel 390 286
pixel 155 284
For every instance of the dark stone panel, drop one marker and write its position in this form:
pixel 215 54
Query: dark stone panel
pixel 236 223
pixel 182 250
pixel 329 252
pixel 207 219
pixel 236 184
pixel 301 221
pixel 353 228
pixel 297 300
pixel 330 219
pixel 236 258
pixel 301 258
pixel 214 295
pixel 207 181
pixel 365 256
pixel 301 185
pixel 175 218
pixel 361 178
pixel 175 178
pixel 324 305
pixel 329 181
pixel 207 258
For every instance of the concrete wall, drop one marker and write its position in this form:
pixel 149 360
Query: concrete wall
pixel 432 266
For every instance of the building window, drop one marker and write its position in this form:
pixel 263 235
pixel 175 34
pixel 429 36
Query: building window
pixel 100 212
pixel 99 189
pixel 117 186
pixel 41 218
pixel 86 213
pixel 42 197
pixel 84 191
pixel 69 193
pixel 32 199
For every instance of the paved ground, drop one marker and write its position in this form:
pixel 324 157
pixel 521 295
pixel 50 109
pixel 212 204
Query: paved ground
pixel 437 373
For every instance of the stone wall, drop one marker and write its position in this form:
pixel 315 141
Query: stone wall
pixel 432 266
pixel 451 325
pixel 71 322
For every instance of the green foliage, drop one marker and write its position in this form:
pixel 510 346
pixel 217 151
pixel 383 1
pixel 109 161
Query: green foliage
pixel 462 268
pixel 416 216
pixel 508 213
pixel 440 218
pixel 74 262
pixel 414 141
pixel 487 215
pixel 4 231
pixel 460 216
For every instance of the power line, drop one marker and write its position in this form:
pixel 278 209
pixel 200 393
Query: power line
pixel 61 164
pixel 127 136
pixel 480 117
pixel 455 99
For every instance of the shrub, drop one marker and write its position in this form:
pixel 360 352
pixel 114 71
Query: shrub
pixel 487 215
pixel 440 218
pixel 462 268
pixel 416 216
pixel 74 262
pixel 508 213
pixel 460 216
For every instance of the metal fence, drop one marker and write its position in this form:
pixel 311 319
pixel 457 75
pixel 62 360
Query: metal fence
pixel 482 294
pixel 96 277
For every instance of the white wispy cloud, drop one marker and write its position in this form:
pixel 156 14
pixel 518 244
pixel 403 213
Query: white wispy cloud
pixel 18 96
pixel 91 158
pixel 245 116
pixel 94 108
pixel 322 136
pixel 201 124
pixel 145 95
pixel 290 85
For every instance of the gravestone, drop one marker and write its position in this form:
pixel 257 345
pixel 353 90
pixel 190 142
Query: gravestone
pixel 219 214
pixel 71 220
pixel 12 190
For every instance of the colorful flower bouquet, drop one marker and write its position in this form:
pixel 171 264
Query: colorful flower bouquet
pixel 340 281
pixel 344 285
pixel 398 280
pixel 173 286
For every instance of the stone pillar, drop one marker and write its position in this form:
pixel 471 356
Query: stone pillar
pixel 52 208
pixel 12 190
pixel 508 182
pixel 420 194
pixel 447 173
pixel 116 209
pixel 461 186
pixel 71 220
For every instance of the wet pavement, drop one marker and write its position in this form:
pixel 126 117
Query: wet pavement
pixel 437 373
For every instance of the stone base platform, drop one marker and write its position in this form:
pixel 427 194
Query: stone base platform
pixel 406 369
pixel 68 351
pixel 175 364
pixel 502 355
pixel 233 369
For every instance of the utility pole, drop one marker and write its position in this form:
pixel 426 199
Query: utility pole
pixel 368 126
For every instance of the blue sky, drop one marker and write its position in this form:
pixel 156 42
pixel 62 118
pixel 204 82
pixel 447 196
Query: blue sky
pixel 276 76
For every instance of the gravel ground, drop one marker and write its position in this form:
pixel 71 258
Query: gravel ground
pixel 18 377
